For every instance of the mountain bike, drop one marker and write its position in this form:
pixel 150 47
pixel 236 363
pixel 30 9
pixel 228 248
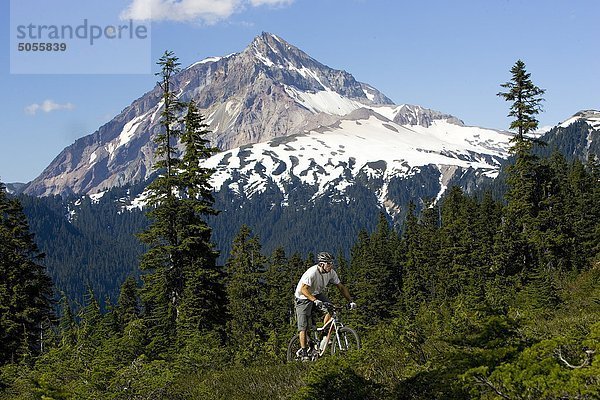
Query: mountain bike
pixel 334 334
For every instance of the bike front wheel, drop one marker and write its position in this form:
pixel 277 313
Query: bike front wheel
pixel 345 341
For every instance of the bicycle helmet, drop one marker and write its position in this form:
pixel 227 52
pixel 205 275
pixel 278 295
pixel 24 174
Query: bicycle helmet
pixel 325 257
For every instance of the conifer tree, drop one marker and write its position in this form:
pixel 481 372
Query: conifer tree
pixel 429 225
pixel 203 301
pixel 516 252
pixel 296 267
pixel 66 326
pixel 459 271
pixel 412 283
pixel 183 287
pixel 246 295
pixel 163 283
pixel 279 302
pixel 342 268
pixel 128 307
pixel 526 101
pixel 584 187
pixel 90 317
pixel 375 273
pixel 489 216
pixel 419 265
pixel 554 236
pixel 360 261
pixel 195 177
pixel 278 280
pixel 25 288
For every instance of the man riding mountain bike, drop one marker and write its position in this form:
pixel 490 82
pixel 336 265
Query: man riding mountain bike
pixel 308 293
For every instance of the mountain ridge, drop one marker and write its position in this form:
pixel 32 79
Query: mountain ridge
pixel 269 90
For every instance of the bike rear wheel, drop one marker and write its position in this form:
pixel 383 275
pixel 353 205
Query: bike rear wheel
pixel 346 340
pixel 293 347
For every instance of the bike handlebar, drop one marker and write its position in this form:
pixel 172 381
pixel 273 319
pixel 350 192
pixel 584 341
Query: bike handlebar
pixel 332 306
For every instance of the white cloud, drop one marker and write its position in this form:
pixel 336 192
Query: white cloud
pixel 47 106
pixel 207 11
pixel 273 3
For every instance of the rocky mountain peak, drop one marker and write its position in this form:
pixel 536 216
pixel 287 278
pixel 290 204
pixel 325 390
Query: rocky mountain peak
pixel 272 50
pixel 293 68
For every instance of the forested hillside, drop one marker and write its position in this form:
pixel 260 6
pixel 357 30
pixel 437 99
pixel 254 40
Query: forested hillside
pixel 472 297
pixel 88 244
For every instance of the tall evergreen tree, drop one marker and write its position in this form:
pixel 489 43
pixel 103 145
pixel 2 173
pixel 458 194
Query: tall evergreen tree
pixel 429 226
pixel 246 295
pixel 163 282
pixel 90 320
pixel 128 307
pixel 526 101
pixel 375 273
pixel 459 271
pixel 296 266
pixel 66 325
pixel 489 217
pixel 25 288
pixel 182 291
pixel 584 187
pixel 525 177
pixel 203 302
pixel 412 288
pixel 360 261
pixel 279 281
pixel 197 148
pixel 554 238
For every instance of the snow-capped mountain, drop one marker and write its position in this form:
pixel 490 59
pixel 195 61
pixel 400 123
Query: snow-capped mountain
pixel 270 89
pixel 578 136
pixel 589 117
pixel 270 94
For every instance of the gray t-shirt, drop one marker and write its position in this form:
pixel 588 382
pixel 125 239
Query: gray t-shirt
pixel 316 280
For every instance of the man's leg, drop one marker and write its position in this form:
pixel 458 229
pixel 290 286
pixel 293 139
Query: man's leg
pixel 324 299
pixel 303 309
pixel 302 339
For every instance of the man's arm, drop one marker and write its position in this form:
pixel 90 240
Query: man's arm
pixel 306 291
pixel 344 291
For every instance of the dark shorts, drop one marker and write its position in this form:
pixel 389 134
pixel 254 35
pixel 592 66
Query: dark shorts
pixel 304 309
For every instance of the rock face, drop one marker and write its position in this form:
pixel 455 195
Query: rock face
pixel 576 137
pixel 270 89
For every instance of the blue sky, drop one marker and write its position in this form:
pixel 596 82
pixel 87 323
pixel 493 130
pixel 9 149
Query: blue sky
pixel 447 55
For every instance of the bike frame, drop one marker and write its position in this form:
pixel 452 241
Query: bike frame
pixel 333 325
